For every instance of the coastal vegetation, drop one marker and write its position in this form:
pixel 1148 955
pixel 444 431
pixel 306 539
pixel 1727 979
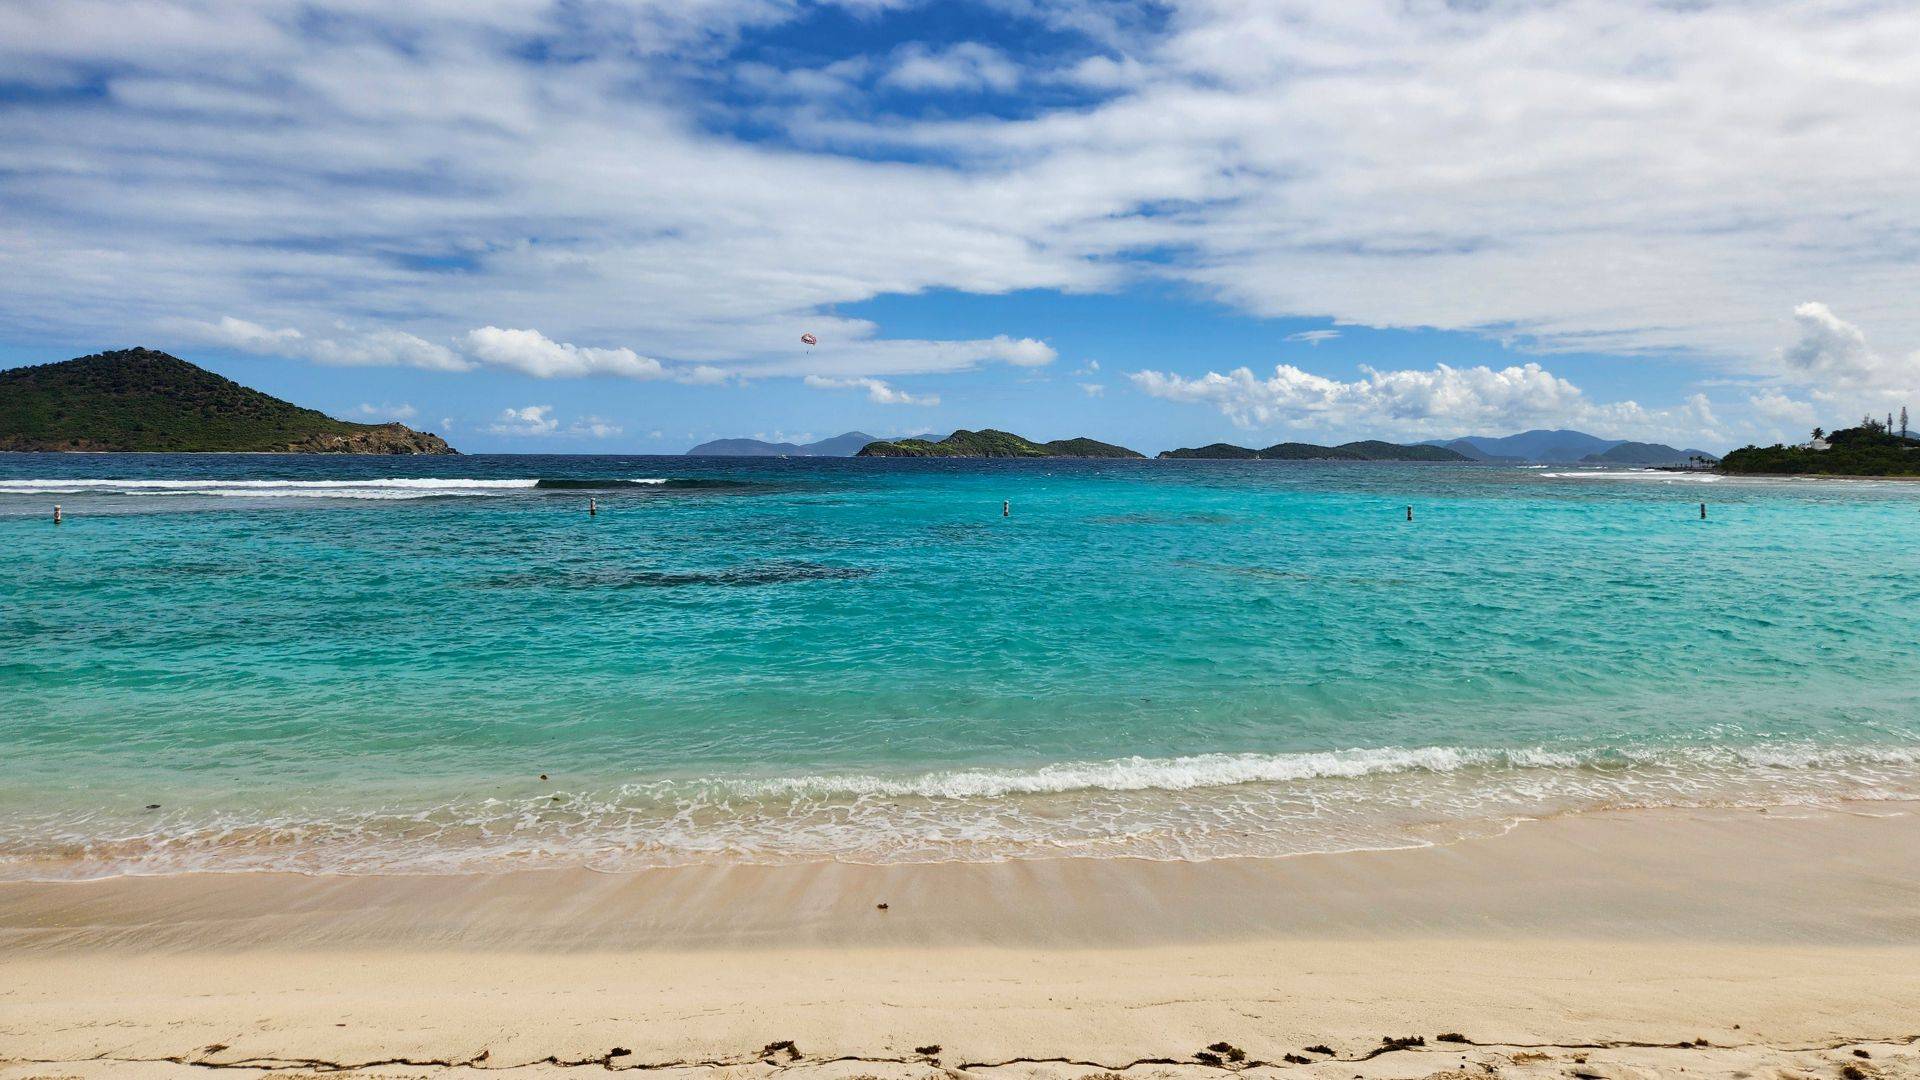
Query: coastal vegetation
pixel 989 443
pixel 1364 450
pixel 140 400
pixel 1872 449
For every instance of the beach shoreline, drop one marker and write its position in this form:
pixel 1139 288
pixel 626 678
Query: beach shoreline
pixel 1785 939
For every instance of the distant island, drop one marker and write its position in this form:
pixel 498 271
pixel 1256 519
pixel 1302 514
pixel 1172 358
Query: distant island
pixel 846 445
pixel 1366 450
pixel 141 400
pixel 1639 453
pixel 1872 449
pixel 1565 447
pixel 989 443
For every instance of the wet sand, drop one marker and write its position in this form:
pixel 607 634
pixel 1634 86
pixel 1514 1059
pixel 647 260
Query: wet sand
pixel 1785 940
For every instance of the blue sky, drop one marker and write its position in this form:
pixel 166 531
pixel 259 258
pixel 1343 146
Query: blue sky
pixel 602 226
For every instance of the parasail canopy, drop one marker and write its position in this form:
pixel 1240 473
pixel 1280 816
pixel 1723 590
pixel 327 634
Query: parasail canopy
pixel 809 339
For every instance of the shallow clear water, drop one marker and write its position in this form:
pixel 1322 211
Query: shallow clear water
pixel 366 664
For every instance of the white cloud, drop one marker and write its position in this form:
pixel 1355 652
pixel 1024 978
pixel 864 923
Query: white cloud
pixel 967 65
pixel 858 355
pixel 1025 352
pixel 536 354
pixel 528 420
pixel 701 375
pixel 1779 409
pixel 1598 174
pixel 878 392
pixel 250 336
pixel 1832 358
pixel 375 348
pixel 540 420
pixel 1093 389
pixel 1443 401
pixel 1314 337
pixel 593 427
pixel 1107 73
pixel 385 411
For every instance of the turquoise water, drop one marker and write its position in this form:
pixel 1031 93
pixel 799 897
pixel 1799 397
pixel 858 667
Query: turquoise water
pixel 365 665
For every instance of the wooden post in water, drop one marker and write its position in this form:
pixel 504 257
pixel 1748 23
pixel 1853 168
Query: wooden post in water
pixel 1006 507
pixel 1409 513
pixel 593 507
pixel 56 513
pixel 1703 511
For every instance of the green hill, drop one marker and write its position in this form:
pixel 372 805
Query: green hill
pixel 1859 451
pixel 988 443
pixel 1375 450
pixel 1303 451
pixel 143 400
pixel 1367 450
pixel 1212 452
pixel 1639 453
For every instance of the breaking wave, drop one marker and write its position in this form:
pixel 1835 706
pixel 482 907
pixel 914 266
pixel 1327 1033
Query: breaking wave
pixel 380 488
pixel 1196 807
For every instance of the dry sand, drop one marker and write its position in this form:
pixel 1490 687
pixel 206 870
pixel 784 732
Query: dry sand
pixel 1591 946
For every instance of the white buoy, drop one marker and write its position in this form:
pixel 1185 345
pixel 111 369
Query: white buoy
pixel 593 507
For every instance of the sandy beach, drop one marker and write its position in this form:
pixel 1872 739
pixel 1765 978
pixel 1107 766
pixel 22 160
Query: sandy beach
pixel 1718 943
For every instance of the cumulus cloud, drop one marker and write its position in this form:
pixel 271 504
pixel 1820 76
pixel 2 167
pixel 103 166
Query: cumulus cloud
pixel 541 420
pixel 1833 358
pixel 1778 409
pixel 536 354
pixel 1092 389
pixel 878 392
pixel 1442 401
pixel 527 420
pixel 374 348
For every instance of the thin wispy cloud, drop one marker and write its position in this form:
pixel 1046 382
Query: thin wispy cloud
pixel 878 392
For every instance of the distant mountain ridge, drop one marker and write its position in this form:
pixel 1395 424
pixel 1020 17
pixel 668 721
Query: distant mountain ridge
pixel 1563 446
pixel 846 445
pixel 1639 453
pixel 989 443
pixel 1364 450
pixel 143 400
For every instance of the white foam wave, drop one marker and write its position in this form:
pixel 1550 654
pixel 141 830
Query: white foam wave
pixel 376 488
pixel 1130 774
pixel 1177 774
pixel 1194 807
pixel 1657 475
